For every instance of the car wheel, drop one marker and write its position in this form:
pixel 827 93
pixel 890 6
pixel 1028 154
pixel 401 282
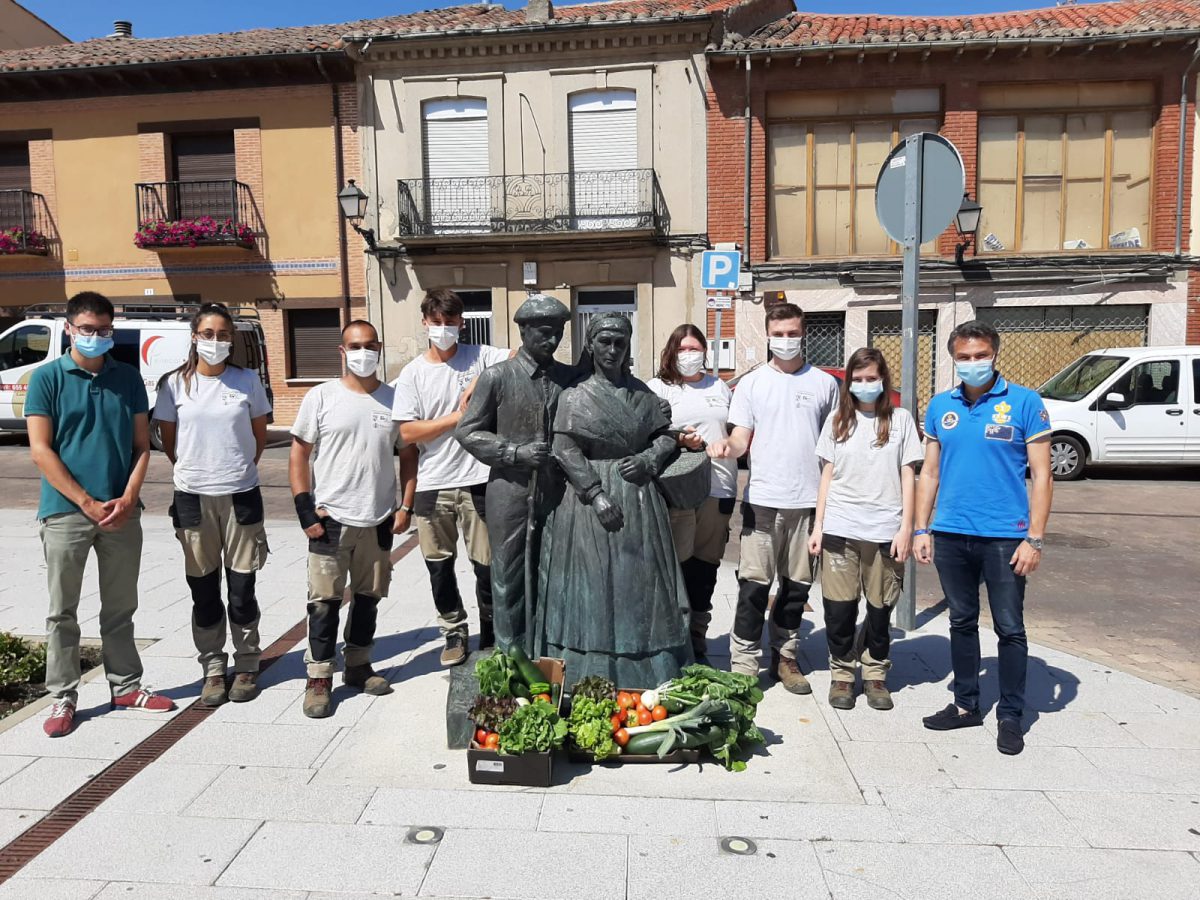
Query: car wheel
pixel 156 436
pixel 1067 458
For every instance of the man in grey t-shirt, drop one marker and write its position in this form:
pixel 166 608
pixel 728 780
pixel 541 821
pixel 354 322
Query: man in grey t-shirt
pixel 782 406
pixel 343 480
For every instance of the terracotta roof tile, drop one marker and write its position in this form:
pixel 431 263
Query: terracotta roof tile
pixel 465 19
pixel 799 29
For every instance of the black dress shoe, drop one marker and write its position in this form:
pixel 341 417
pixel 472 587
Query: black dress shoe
pixel 1009 739
pixel 952 717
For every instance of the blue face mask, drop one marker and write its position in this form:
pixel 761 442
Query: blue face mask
pixel 975 374
pixel 92 345
pixel 866 391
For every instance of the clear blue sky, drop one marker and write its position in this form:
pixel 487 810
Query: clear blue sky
pixel 82 19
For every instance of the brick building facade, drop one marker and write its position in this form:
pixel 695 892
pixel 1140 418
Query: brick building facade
pixel 1073 114
pixel 257 127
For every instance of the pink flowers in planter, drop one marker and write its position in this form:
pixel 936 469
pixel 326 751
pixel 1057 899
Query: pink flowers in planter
pixel 20 240
pixel 194 233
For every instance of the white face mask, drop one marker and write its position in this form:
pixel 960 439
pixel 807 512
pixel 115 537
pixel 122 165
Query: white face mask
pixel 786 347
pixel 362 362
pixel 689 362
pixel 213 352
pixel 442 336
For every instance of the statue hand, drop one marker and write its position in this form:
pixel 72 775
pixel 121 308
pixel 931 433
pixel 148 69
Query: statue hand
pixel 665 406
pixel 533 456
pixel 635 470
pixel 608 513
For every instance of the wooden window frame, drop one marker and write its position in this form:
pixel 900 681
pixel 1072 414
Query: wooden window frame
pixel 810 184
pixel 1106 199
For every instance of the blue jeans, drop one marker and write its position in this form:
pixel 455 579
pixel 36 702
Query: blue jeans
pixel 963 561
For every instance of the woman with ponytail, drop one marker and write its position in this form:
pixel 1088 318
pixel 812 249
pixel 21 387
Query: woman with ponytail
pixel 862 528
pixel 701 402
pixel 212 416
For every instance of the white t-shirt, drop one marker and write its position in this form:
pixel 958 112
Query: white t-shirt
pixel 353 437
pixel 427 391
pixel 704 405
pixel 785 412
pixel 865 502
pixel 214 443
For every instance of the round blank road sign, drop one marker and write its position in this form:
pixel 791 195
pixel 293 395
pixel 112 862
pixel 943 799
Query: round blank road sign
pixel 942 184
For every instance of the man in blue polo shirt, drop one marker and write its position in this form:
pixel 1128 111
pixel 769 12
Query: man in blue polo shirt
pixel 979 439
pixel 89 434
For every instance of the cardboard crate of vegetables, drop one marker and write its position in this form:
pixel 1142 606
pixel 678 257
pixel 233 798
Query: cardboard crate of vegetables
pixel 702 712
pixel 517 722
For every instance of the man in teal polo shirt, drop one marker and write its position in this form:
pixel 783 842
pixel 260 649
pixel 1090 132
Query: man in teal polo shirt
pixel 979 439
pixel 89 433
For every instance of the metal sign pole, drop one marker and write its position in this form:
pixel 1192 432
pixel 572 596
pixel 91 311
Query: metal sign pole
pixel 906 614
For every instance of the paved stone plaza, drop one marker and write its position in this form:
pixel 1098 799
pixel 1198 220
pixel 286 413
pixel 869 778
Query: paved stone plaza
pixel 259 802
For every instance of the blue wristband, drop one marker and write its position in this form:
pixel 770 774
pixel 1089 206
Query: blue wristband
pixel 920 531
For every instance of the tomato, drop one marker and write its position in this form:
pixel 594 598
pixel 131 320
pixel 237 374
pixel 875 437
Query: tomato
pixel 631 716
pixel 637 698
pixel 644 717
pixel 639 708
pixel 480 736
pixel 545 697
pixel 616 722
pixel 621 737
pixel 624 701
pixel 659 713
pixel 492 741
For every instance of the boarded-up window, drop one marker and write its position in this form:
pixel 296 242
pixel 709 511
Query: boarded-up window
pixel 313 336
pixel 822 185
pixel 1065 181
pixel 206 167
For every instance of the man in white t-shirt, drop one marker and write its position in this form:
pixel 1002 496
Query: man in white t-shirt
pixel 450 482
pixel 782 406
pixel 343 477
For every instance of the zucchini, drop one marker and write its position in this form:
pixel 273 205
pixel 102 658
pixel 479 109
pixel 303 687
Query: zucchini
pixel 644 744
pixel 673 706
pixel 529 673
pixel 519 690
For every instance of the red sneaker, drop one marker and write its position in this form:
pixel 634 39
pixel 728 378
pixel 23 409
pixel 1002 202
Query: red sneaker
pixel 62 719
pixel 144 701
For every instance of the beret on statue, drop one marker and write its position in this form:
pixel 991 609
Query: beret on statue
pixel 539 307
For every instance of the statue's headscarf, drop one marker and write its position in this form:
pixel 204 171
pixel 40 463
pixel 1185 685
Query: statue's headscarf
pixel 612 321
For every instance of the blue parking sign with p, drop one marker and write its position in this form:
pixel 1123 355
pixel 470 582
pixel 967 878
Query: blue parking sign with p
pixel 719 269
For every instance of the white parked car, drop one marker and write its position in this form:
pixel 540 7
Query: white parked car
pixel 153 338
pixel 1127 405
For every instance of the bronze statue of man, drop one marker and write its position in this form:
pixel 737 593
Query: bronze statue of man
pixel 507 425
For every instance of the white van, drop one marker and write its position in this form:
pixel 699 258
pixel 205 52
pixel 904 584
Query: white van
pixel 1128 405
pixel 152 337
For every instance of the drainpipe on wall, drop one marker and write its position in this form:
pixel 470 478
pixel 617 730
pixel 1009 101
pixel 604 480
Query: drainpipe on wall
pixel 339 174
pixel 1183 126
pixel 746 196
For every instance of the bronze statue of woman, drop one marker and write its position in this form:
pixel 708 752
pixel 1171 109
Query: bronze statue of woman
pixel 612 600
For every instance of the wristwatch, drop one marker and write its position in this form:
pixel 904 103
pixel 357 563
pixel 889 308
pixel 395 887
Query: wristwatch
pixel 406 509
pixel 1035 543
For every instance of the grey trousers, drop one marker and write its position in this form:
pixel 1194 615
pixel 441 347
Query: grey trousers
pixel 67 539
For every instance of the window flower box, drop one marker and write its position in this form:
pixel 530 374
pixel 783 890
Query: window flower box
pixel 17 240
pixel 199 232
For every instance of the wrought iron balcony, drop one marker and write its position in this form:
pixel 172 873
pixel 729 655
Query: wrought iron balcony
pixel 25 225
pixel 602 201
pixel 195 214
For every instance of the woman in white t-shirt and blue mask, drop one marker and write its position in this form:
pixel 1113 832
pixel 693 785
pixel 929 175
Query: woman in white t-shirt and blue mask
pixel 212 416
pixel 863 524
pixel 699 401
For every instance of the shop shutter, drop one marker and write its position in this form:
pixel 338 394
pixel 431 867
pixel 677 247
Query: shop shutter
pixel 14 167
pixel 313 338
pixel 208 158
pixel 456 164
pixel 604 159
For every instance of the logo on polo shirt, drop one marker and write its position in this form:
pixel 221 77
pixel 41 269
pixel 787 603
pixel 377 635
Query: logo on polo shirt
pixel 949 420
pixel 1000 414
pixel 1044 416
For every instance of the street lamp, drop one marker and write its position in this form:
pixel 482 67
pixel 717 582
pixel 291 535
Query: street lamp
pixel 354 208
pixel 966 220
